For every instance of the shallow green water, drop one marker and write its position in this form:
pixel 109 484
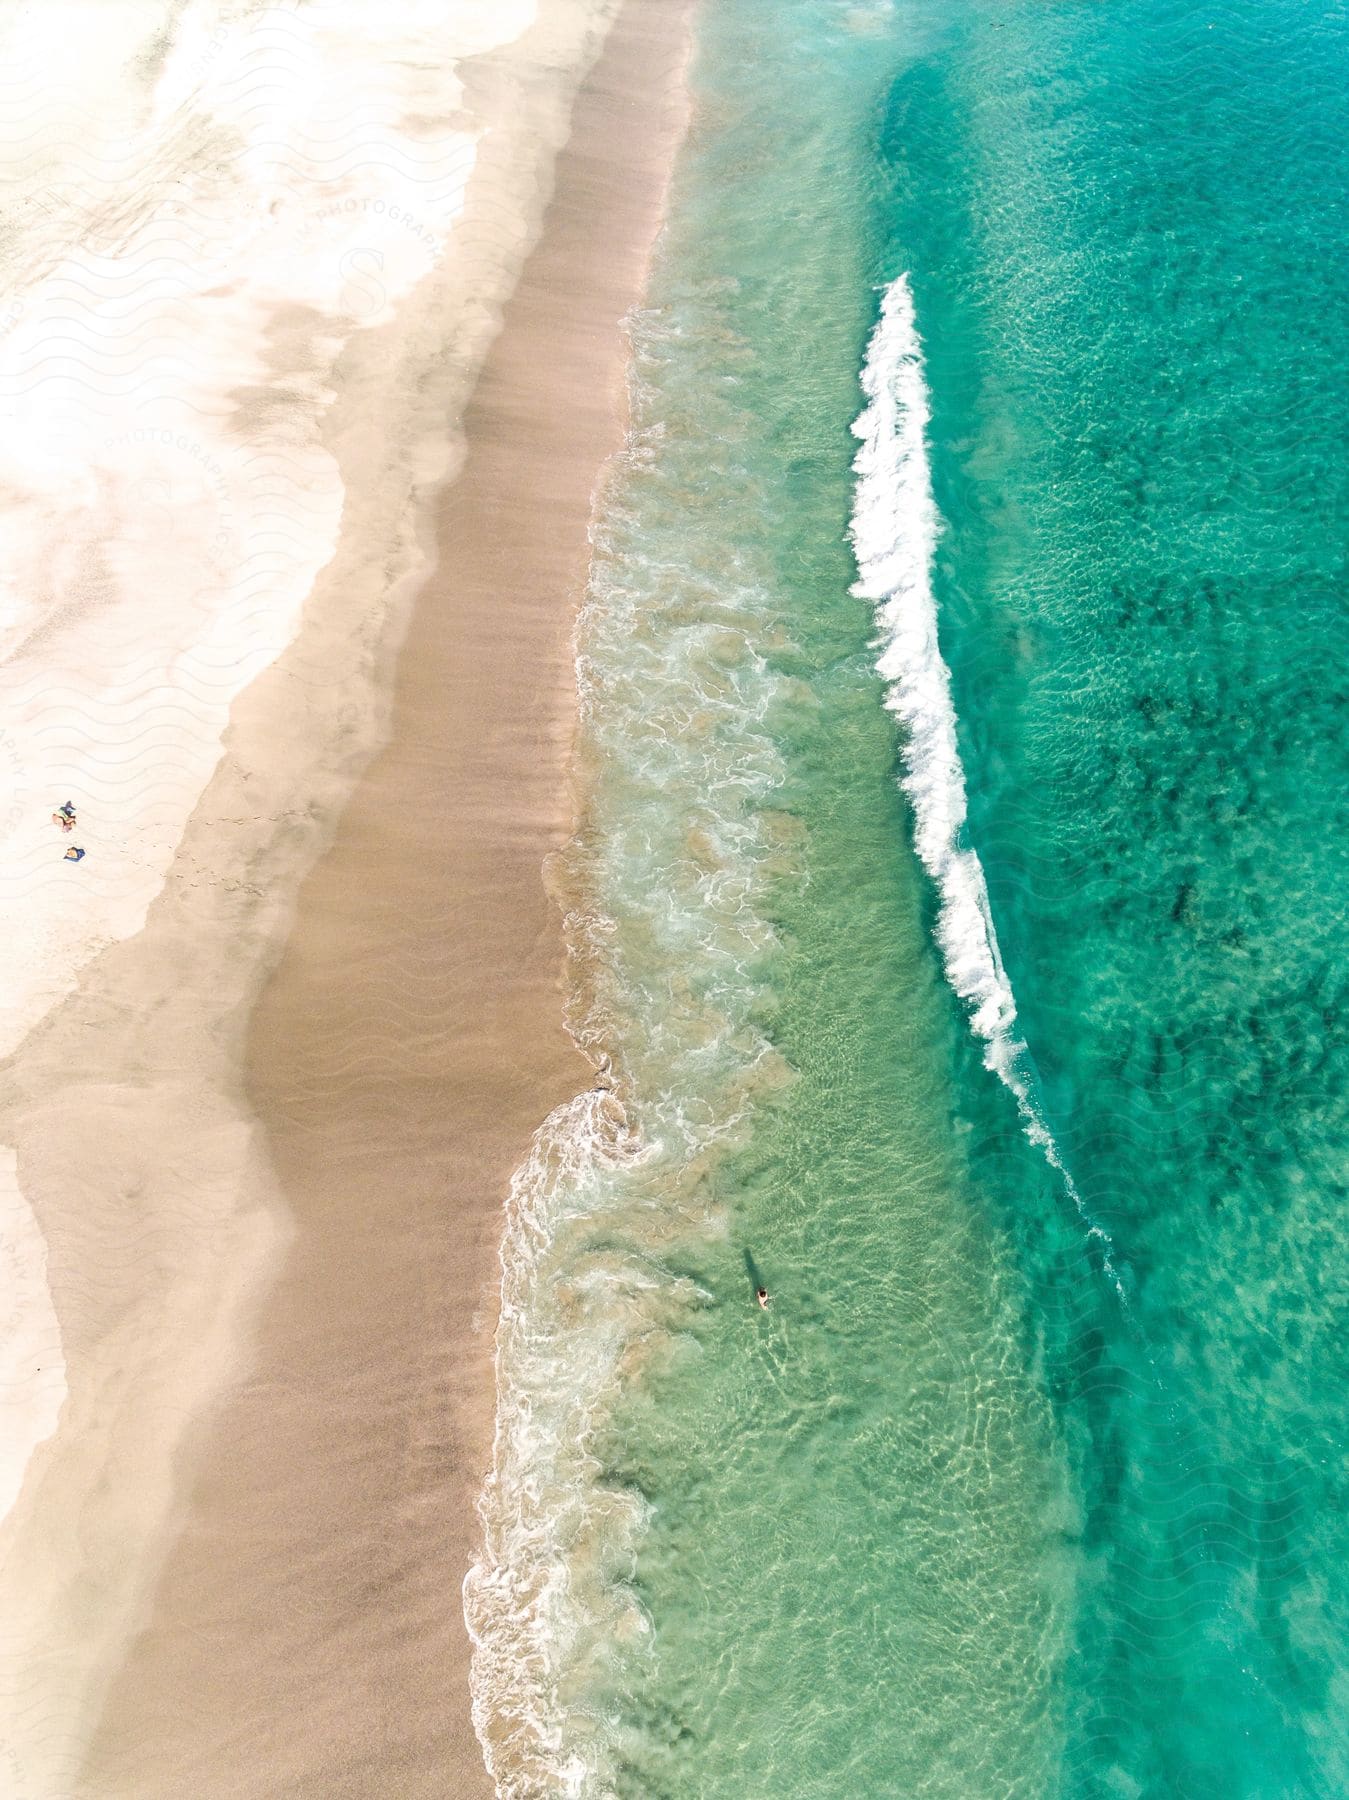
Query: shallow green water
pixel 1031 1480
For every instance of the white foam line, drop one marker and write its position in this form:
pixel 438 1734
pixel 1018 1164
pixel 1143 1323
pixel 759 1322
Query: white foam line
pixel 523 1613
pixel 894 532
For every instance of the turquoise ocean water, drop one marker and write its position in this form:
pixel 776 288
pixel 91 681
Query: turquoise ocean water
pixel 961 900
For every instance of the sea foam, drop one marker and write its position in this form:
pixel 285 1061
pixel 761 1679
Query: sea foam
pixel 894 531
pixel 526 1599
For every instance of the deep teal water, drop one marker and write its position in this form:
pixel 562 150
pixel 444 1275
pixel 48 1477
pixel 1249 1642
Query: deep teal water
pixel 1138 361
pixel 963 1514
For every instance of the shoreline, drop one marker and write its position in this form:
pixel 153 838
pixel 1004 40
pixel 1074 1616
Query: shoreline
pixel 307 1632
pixel 147 1174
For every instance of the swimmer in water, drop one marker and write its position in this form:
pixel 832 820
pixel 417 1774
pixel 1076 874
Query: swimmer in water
pixel 761 1295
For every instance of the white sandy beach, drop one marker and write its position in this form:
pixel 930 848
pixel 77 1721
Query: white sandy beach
pixel 256 257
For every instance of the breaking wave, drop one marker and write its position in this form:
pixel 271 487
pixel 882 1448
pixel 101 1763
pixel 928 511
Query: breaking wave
pixel 527 1600
pixel 894 531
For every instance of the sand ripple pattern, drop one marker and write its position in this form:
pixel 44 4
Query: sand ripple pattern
pixel 191 245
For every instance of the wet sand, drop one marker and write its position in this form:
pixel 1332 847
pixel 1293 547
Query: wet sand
pixel 307 1635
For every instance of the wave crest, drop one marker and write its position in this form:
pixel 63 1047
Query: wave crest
pixel 894 531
